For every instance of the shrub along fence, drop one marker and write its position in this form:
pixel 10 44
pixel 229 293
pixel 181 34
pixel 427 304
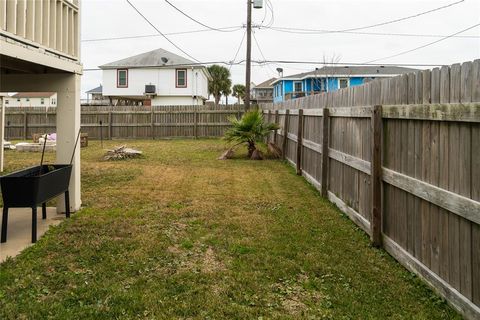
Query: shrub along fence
pixel 127 122
pixel 401 157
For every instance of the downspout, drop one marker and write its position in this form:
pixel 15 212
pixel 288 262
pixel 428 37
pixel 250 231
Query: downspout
pixel 193 89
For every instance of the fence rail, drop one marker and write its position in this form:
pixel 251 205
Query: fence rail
pixel 401 158
pixel 126 122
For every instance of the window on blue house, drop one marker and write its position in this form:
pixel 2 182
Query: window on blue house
pixel 297 86
pixel 343 83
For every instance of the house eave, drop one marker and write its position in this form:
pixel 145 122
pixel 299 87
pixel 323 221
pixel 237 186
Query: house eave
pixel 23 50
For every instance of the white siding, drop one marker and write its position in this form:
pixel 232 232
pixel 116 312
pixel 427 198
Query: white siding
pixel 176 101
pixel 163 79
pixel 32 102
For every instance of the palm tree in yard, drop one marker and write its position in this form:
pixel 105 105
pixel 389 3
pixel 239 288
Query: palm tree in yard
pixel 220 82
pixel 249 130
pixel 239 92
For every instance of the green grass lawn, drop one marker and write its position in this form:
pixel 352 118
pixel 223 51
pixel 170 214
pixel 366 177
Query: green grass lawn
pixel 179 234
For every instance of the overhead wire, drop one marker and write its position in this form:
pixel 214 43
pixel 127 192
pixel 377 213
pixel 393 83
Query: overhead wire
pixel 238 50
pixel 425 45
pixel 403 18
pixel 195 20
pixel 234 28
pixel 285 62
pixel 327 31
pixel 163 35
pixel 261 52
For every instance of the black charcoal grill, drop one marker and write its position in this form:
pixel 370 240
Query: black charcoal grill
pixel 30 187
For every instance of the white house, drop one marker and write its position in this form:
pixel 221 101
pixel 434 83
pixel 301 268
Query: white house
pixel 40 52
pixel 31 99
pixel 158 77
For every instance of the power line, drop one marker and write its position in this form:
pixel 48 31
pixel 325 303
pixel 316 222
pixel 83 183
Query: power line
pixel 286 30
pixel 326 31
pixel 238 50
pixel 282 62
pixel 404 18
pixel 425 45
pixel 195 20
pixel 234 28
pixel 166 38
pixel 261 52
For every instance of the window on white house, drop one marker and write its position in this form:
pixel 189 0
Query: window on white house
pixel 181 78
pixel 7 101
pixel 54 101
pixel 18 99
pixel 343 83
pixel 298 86
pixel 122 78
pixel 28 99
pixel 42 101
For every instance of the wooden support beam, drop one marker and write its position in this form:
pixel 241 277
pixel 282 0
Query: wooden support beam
pixel 325 160
pixel 299 142
pixel 465 207
pixel 376 177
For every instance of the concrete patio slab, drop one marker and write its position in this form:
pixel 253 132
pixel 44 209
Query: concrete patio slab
pixel 19 234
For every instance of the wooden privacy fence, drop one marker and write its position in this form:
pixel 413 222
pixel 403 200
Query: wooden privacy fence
pixel 126 122
pixel 401 157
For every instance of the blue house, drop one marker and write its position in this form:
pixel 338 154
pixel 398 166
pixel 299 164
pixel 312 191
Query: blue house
pixel 328 79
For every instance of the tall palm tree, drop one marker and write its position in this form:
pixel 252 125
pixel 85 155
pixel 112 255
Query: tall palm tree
pixel 239 92
pixel 220 82
pixel 249 130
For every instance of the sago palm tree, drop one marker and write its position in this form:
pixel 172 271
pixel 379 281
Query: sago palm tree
pixel 249 130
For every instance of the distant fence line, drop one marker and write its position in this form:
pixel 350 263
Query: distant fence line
pixel 126 122
pixel 401 158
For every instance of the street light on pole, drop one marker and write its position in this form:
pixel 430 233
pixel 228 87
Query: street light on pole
pixel 257 4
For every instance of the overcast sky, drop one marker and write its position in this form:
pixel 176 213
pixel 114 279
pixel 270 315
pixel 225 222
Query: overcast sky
pixel 115 18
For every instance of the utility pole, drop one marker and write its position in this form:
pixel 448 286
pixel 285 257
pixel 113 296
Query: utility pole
pixel 249 55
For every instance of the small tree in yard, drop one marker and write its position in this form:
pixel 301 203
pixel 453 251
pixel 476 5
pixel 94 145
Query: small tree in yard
pixel 249 130
pixel 220 82
pixel 239 91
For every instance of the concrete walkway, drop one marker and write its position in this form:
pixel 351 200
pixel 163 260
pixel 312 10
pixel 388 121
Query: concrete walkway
pixel 19 235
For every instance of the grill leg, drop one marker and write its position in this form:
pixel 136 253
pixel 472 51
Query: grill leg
pixel 67 204
pixel 44 211
pixel 4 224
pixel 34 224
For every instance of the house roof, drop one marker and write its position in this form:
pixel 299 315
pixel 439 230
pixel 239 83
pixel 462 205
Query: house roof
pixel 265 84
pixel 350 71
pixel 153 58
pixel 98 89
pixel 33 94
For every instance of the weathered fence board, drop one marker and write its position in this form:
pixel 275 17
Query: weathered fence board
pixel 127 122
pixel 428 161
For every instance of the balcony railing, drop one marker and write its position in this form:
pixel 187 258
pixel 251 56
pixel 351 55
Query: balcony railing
pixel 49 24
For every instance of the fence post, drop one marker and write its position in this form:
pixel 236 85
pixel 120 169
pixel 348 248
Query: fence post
pixel 299 142
pixel 195 124
pixel 152 123
pixel 268 120
pixel 285 133
pixel 376 176
pixel 325 160
pixel 25 125
pixel 276 131
pixel 110 118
